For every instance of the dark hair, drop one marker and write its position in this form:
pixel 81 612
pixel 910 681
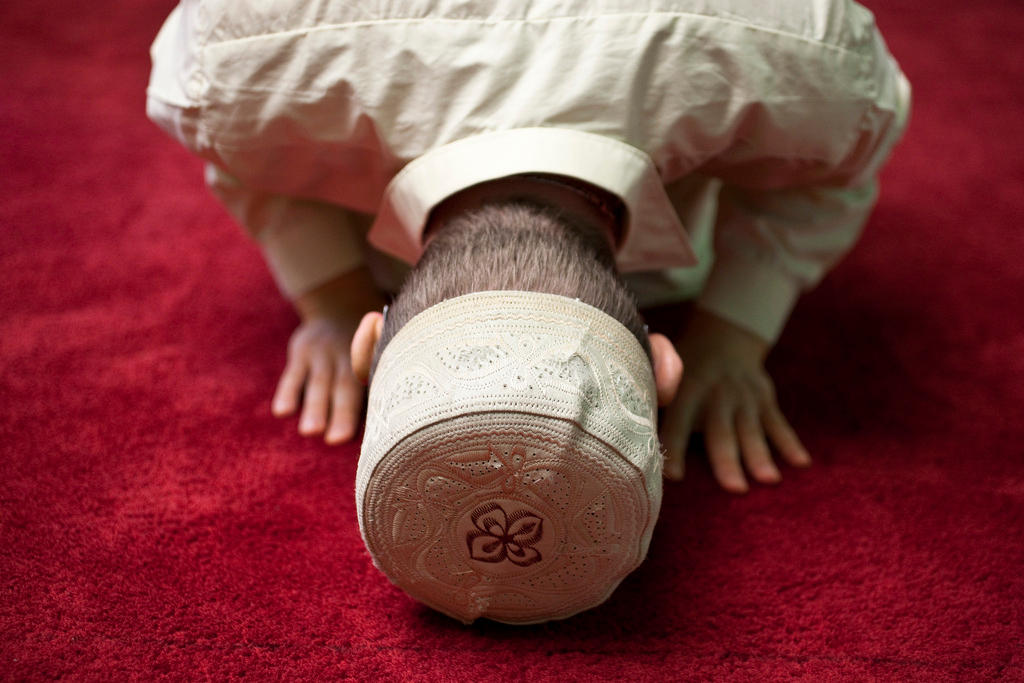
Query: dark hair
pixel 515 245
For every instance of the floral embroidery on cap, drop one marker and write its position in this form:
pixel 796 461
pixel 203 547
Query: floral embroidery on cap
pixel 500 536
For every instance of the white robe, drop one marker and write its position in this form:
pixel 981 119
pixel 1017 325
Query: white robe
pixel 744 137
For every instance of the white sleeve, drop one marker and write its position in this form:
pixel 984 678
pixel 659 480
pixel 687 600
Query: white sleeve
pixel 771 245
pixel 783 223
pixel 304 242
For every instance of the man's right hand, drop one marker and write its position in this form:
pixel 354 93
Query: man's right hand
pixel 318 372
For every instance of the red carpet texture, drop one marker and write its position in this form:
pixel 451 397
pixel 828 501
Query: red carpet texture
pixel 156 521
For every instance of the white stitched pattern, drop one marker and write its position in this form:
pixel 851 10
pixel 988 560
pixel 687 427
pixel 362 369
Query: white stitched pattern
pixel 510 467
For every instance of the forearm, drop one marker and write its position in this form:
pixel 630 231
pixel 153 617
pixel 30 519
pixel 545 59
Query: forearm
pixel 706 328
pixel 305 243
pixel 345 298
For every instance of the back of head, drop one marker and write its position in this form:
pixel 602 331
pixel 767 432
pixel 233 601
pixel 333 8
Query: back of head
pixel 510 467
pixel 515 246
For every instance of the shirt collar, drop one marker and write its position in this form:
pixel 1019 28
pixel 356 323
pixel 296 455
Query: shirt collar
pixel 653 237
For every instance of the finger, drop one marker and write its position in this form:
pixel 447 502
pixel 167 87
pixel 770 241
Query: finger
pixel 784 437
pixel 286 396
pixel 753 446
pixel 346 404
pixel 675 433
pixel 318 387
pixel 723 453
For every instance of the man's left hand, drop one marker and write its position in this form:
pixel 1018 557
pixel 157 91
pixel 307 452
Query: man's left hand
pixel 727 394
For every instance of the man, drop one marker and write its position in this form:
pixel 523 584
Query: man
pixel 726 154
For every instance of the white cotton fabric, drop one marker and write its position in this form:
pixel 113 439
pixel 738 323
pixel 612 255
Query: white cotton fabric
pixel 744 137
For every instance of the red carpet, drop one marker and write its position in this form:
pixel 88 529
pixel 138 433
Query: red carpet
pixel 156 520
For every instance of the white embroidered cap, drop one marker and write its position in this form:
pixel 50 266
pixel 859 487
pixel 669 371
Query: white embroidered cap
pixel 510 467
